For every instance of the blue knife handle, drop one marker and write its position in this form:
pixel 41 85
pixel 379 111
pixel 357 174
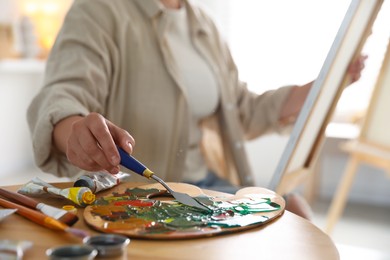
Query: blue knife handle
pixel 133 164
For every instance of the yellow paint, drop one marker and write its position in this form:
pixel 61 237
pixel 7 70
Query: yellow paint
pixel 128 224
pixel 169 220
pixel 88 197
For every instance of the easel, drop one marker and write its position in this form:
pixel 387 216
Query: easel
pixel 301 153
pixel 373 144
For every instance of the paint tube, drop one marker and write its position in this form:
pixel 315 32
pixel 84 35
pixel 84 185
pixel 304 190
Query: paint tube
pixel 81 196
pixel 98 181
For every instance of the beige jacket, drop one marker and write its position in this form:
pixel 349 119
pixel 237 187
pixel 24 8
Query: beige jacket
pixel 111 57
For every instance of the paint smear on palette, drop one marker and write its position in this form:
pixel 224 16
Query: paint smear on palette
pixel 135 210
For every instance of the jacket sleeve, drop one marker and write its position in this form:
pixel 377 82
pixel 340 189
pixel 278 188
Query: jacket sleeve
pixel 259 113
pixel 76 82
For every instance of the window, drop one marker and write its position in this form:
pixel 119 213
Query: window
pixel 283 42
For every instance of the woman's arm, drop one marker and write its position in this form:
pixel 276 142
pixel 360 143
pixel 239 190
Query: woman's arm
pixel 297 96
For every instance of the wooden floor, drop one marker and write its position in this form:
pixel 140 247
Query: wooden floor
pixel 363 232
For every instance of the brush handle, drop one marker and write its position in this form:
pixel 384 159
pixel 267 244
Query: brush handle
pixel 133 164
pixel 20 198
pixel 59 214
pixel 34 215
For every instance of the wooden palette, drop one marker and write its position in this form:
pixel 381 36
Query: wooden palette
pixel 145 212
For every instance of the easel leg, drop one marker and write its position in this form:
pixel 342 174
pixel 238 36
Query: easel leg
pixel 312 184
pixel 338 202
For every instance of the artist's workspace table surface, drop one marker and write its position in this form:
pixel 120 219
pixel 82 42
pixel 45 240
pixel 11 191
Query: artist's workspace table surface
pixel 285 237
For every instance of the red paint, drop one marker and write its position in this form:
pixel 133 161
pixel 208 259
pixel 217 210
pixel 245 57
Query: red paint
pixel 135 203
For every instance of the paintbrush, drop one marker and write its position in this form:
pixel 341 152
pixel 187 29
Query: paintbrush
pixel 59 214
pixel 42 219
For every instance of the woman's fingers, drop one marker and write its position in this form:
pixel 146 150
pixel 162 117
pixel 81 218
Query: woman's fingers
pixel 356 67
pixel 104 147
pixel 92 144
pixel 121 137
pixel 83 148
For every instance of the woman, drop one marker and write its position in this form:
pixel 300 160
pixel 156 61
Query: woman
pixel 157 72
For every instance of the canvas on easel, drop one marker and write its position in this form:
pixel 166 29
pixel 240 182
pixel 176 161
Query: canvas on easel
pixel 372 147
pixel 376 127
pixel 308 133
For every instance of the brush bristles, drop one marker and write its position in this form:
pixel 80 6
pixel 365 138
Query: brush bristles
pixel 77 232
pixel 69 218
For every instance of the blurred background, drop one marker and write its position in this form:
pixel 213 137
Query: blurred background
pixel 274 43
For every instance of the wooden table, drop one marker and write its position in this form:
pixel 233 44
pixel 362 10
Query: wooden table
pixel 287 237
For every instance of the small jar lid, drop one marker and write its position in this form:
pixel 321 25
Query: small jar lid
pixel 70 208
pixel 108 244
pixel 69 252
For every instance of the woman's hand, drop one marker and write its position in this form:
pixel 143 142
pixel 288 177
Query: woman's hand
pixel 356 67
pixel 90 142
pixel 298 95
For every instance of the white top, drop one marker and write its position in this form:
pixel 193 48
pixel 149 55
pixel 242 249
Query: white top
pixel 199 84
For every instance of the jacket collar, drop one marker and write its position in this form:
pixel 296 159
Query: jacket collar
pixel 197 19
pixel 153 7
